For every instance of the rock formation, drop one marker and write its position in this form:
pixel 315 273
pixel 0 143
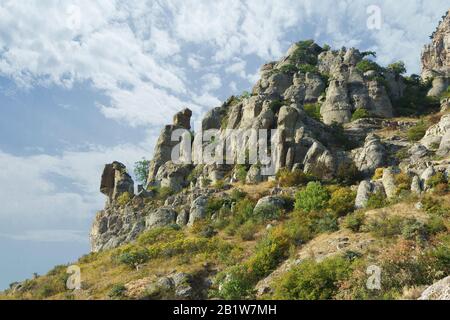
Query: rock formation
pixel 436 58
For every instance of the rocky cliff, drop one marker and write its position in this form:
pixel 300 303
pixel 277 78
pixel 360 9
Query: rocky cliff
pixel 436 58
pixel 313 97
pixel 361 179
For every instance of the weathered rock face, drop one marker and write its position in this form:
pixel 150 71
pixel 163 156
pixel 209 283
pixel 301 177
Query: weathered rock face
pixel 319 159
pixel 198 210
pixel 371 156
pixel 173 176
pixel 434 135
pixel 160 218
pixel 165 145
pixel 115 226
pixel 116 181
pixel 273 202
pixel 438 291
pixel 436 58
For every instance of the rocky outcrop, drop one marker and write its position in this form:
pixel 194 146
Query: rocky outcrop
pixel 436 58
pixel 438 291
pixel 116 181
pixel 319 160
pixel 272 202
pixel 197 210
pixel 435 134
pixel 165 145
pixel 114 226
pixel 371 156
pixel 162 217
pixel 388 181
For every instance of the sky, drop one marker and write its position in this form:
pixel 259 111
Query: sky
pixel 84 83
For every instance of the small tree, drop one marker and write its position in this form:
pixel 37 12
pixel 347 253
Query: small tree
pixel 398 68
pixel 141 170
pixel 313 197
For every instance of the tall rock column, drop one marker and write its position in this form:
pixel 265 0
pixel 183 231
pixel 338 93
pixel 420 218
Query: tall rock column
pixel 436 58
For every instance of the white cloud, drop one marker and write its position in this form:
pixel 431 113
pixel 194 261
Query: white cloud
pixel 50 235
pixel 42 191
pixel 211 82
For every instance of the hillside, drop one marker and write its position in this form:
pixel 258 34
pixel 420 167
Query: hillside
pixel 360 180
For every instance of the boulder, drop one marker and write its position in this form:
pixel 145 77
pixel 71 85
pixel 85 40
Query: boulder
pixel 435 133
pixel 362 196
pixel 438 291
pixel 416 185
pixel 371 156
pixel 183 119
pixel 388 181
pixel 337 107
pixel 198 210
pixel 269 201
pixel 116 181
pixel 319 160
pixel 173 176
pixel 160 218
pixel 254 175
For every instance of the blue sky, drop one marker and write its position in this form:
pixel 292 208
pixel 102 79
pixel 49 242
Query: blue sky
pixel 84 83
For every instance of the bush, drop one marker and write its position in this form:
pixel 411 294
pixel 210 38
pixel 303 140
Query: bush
pixel 305 68
pixel 275 106
pixel 378 174
pixel 269 253
pixel 288 68
pixel 313 197
pixel 348 174
pixel 313 110
pixel 342 201
pixel 360 113
pixel 403 182
pixel 323 221
pixel 438 178
pixel 117 291
pixel 241 172
pixel 133 257
pixel 295 178
pixel 398 68
pixel 123 199
pixel 355 221
pixel 247 231
pixel 234 284
pixel 417 132
pixel 141 169
pixel 312 280
pixel 386 226
pixel 377 200
pixel 266 212
pixel 367 65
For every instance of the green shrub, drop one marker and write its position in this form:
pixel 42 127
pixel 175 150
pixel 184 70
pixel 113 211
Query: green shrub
pixel 434 207
pixel 313 197
pixel 123 199
pixel 438 178
pixel 355 221
pixel 367 65
pixel 418 131
pixel 288 178
pixel 348 174
pixel 377 200
pixel 305 68
pixel 141 169
pixel 241 172
pixel 342 201
pixel 360 113
pixel 118 291
pixel 269 252
pixel 288 68
pixel 313 110
pixel 266 212
pixel 446 93
pixel 213 205
pixel 234 284
pixel 398 68
pixel 304 53
pixel 387 226
pixel 275 106
pixel 247 231
pixel 312 280
pixel 323 221
pixel 134 256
